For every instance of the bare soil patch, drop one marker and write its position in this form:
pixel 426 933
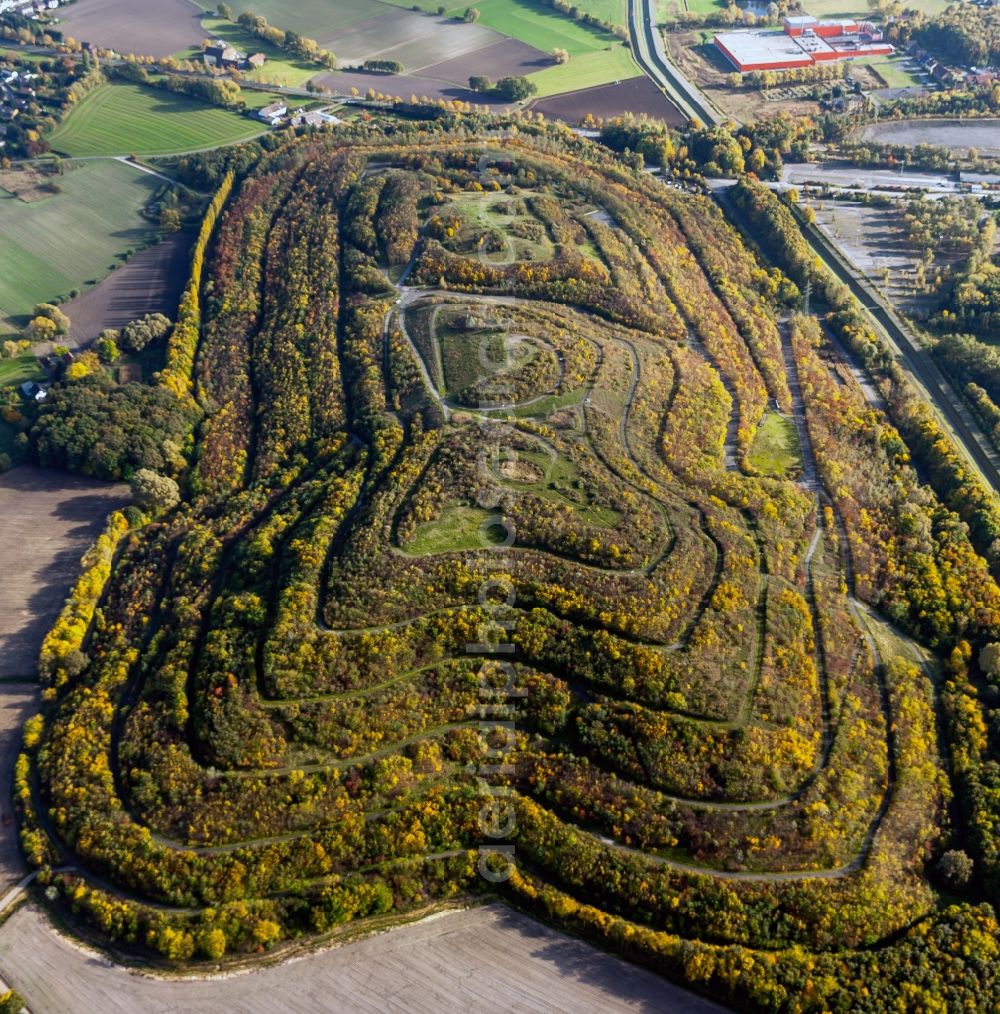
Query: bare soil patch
pixel 874 239
pixel 146 27
pixel 151 282
pixel 18 702
pixel 27 184
pixel 505 58
pixel 637 95
pixel 403 86
pixel 521 471
pixel 47 521
pixel 490 960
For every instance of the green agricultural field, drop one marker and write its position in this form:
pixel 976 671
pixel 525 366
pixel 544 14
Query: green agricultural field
pixel 775 449
pixel 597 57
pixel 280 68
pixel 587 71
pixel 120 119
pixel 697 6
pixel 65 241
pixel 538 25
pixel 615 12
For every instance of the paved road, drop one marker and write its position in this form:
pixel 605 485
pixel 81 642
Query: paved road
pixel 650 54
pixel 866 180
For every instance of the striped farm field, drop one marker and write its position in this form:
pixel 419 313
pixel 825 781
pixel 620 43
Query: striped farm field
pixel 72 238
pixel 123 119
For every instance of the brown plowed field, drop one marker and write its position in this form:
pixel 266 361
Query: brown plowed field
pixel 18 701
pixel 490 960
pixel 151 282
pixel 147 27
pixel 403 85
pixel 47 521
pixel 636 95
pixel 506 58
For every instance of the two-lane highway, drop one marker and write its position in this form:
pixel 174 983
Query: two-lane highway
pixel 650 54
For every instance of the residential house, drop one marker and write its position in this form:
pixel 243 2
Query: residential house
pixel 316 118
pixel 33 391
pixel 225 57
pixel 273 113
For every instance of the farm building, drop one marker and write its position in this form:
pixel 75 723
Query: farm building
pixel 803 41
pixel 224 57
pixel 273 113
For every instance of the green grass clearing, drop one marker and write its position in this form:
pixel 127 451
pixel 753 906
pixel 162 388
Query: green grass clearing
pixel 775 449
pixel 458 528
pixel 552 403
pixel 472 348
pixel 560 482
pixel 121 119
pixel 486 211
pixel 893 643
pixel 71 239
pixel 14 55
pixel 895 70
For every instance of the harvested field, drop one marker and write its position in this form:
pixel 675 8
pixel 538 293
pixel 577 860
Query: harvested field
pixel 18 701
pixel 403 86
pixel 488 959
pixel 637 95
pixel 957 135
pixel 415 40
pixel 319 19
pixel 503 58
pixel 146 27
pixel 151 282
pixel 47 521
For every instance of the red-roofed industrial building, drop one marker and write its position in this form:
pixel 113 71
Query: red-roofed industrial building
pixel 803 42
